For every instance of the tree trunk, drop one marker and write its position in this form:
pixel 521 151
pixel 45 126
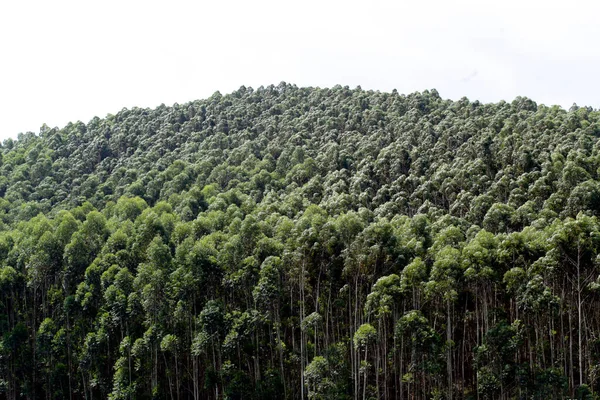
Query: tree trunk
pixel 449 353
pixel 365 375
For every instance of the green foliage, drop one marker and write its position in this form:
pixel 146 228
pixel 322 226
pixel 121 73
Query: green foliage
pixel 364 336
pixel 319 242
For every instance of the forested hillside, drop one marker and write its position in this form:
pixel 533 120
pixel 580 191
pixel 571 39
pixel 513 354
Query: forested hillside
pixel 304 243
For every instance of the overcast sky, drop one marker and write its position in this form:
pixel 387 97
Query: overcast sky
pixel 64 61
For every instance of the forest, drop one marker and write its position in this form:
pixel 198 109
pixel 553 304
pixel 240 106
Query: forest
pixel 304 243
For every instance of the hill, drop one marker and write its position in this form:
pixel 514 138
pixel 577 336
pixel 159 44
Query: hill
pixel 304 243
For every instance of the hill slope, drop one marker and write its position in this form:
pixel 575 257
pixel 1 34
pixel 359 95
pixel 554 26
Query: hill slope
pixel 303 242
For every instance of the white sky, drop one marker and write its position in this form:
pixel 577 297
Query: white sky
pixel 64 61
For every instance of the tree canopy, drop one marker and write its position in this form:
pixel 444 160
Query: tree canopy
pixel 304 243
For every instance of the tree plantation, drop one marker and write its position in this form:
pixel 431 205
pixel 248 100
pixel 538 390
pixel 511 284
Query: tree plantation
pixel 304 243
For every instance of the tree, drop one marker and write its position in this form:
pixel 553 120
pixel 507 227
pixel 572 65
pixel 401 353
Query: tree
pixel 576 244
pixel 363 338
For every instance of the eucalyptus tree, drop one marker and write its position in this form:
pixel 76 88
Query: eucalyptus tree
pixel 236 246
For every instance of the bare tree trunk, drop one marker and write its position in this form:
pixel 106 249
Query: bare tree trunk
pixel 365 375
pixel 449 354
pixel 280 345
pixel 302 333
pixel 401 367
pixel 579 316
pixel 177 373
pixel 571 373
pixel 168 376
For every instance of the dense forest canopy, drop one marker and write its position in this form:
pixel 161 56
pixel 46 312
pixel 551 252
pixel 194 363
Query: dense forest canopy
pixel 304 243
